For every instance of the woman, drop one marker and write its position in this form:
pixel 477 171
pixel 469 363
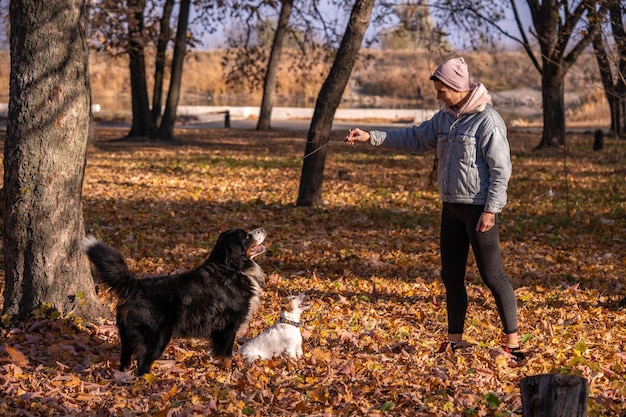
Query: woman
pixel 473 173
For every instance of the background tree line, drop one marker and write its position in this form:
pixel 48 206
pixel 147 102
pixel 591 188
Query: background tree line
pixel 49 102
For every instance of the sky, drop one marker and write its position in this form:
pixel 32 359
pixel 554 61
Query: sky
pixel 217 40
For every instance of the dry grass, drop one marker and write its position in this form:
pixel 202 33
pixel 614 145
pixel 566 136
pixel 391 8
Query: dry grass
pixel 381 79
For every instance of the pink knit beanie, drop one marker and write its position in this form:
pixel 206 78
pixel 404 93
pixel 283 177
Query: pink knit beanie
pixel 454 74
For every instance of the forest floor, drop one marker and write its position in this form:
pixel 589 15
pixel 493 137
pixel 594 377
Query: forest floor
pixel 368 258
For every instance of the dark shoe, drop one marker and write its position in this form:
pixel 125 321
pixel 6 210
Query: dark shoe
pixel 515 354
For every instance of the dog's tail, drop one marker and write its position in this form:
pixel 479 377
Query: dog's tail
pixel 112 269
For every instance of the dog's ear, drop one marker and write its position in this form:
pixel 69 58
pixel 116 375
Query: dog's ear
pixel 285 304
pixel 230 248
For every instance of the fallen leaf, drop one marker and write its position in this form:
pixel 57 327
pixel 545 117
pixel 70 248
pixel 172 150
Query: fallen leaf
pixel 17 357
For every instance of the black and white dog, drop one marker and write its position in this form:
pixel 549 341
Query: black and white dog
pixel 284 337
pixel 212 301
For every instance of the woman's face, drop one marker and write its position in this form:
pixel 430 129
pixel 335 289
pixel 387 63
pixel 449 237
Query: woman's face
pixel 449 96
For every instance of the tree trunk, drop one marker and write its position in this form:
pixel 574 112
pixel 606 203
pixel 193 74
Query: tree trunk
pixel 166 130
pixel 616 99
pixel 159 64
pixel 606 76
pixel 616 14
pixel 614 85
pixel 142 119
pixel 44 161
pixel 327 102
pixel 552 91
pixel 269 87
pixel 555 25
pixel 554 395
pixel 621 100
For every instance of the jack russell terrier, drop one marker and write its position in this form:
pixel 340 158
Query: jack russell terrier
pixel 284 337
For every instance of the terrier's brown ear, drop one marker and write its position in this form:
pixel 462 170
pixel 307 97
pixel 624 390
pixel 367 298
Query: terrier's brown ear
pixel 285 304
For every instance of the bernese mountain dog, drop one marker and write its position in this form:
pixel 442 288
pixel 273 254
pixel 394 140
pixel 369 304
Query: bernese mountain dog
pixel 212 301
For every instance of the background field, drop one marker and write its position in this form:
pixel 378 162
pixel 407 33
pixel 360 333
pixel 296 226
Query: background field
pixel 369 260
pixel 382 79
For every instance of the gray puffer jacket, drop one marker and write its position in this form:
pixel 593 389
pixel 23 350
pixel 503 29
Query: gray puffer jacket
pixel 472 147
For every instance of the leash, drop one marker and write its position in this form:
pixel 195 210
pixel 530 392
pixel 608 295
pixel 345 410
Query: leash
pixel 321 147
pixel 312 152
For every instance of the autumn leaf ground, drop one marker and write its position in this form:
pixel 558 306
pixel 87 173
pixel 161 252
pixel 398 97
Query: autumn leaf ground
pixel 368 257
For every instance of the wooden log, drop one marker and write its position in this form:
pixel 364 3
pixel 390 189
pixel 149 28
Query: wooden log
pixel 554 395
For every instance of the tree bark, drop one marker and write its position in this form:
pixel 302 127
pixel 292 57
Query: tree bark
pixel 555 24
pixel 553 93
pixel 44 161
pixel 614 85
pixel 328 100
pixel 269 87
pixel 610 90
pixel 166 129
pixel 141 117
pixel 616 14
pixel 159 64
pixel 554 395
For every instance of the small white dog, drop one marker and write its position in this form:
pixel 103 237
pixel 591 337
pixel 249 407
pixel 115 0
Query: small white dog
pixel 284 337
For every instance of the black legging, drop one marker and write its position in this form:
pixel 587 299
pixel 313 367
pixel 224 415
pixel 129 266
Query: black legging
pixel 458 231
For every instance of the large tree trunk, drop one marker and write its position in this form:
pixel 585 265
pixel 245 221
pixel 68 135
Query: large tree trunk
pixel 159 62
pixel 44 161
pixel 327 102
pixel 166 130
pixel 561 43
pixel 269 87
pixel 552 91
pixel 142 119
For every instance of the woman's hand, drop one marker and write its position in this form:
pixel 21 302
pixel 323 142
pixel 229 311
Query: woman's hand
pixel 357 135
pixel 486 221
